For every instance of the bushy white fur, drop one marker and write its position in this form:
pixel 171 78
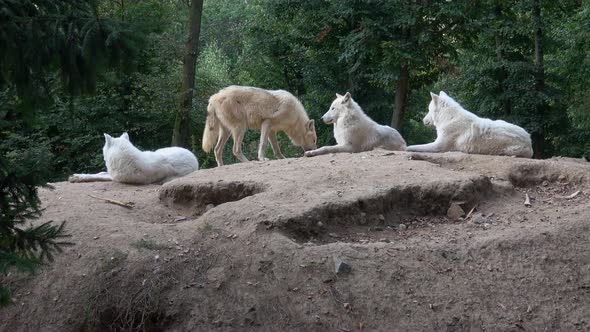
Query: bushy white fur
pixel 235 109
pixel 354 131
pixel 460 130
pixel 126 163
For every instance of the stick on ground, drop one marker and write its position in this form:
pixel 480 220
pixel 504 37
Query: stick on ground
pixel 568 196
pixel 470 212
pixel 112 201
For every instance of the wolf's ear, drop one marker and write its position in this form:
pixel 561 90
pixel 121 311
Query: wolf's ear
pixel 338 95
pixel 346 98
pixel 443 94
pixel 434 97
pixel 125 136
pixel 310 125
pixel 108 139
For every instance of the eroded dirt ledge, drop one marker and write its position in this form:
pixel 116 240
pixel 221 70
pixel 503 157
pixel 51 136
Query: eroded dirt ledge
pixel 350 189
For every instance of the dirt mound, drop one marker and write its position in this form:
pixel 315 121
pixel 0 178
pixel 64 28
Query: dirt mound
pixel 520 172
pixel 370 241
pixel 331 199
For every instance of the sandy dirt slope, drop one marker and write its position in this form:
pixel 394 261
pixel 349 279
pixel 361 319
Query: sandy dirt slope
pixel 253 246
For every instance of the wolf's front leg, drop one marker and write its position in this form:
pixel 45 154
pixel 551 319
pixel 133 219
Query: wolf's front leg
pixel 329 149
pixel 276 149
pixel 102 176
pixel 264 138
pixel 430 147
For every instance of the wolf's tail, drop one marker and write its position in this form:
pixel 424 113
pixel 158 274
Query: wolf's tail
pixel 211 129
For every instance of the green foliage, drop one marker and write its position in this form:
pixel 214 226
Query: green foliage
pixel 139 99
pixel 42 37
pixel 23 247
pixel 570 64
pixel 148 244
pixel 23 167
pixel 50 51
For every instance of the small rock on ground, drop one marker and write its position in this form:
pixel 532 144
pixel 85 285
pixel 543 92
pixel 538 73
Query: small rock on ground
pixel 455 212
pixel 479 219
pixel 341 267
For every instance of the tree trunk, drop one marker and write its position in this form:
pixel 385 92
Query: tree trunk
pixel 506 105
pixel 182 129
pixel 401 94
pixel 539 136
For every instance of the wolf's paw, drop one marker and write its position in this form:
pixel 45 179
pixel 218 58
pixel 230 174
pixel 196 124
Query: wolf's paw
pixel 263 159
pixel 75 178
pixel 309 153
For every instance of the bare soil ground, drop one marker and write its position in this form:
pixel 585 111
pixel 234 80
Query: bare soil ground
pixel 253 246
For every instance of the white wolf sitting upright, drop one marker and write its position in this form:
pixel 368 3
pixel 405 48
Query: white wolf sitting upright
pixel 235 109
pixel 355 131
pixel 126 163
pixel 460 130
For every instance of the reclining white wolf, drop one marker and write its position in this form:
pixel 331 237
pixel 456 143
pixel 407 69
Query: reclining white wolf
pixel 235 109
pixel 460 130
pixel 355 131
pixel 126 163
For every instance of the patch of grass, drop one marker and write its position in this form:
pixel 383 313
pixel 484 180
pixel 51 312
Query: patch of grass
pixel 205 229
pixel 121 303
pixel 112 261
pixel 148 244
pixel 311 264
pixel 86 323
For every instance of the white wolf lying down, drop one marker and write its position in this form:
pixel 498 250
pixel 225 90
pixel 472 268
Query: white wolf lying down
pixel 235 109
pixel 460 130
pixel 126 163
pixel 355 131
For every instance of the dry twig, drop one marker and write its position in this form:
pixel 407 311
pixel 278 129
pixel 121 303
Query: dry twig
pixel 568 196
pixel 470 212
pixel 112 201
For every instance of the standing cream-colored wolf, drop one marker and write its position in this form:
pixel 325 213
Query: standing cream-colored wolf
pixel 355 131
pixel 235 109
pixel 460 130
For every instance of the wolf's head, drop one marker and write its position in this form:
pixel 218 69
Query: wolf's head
pixel 338 107
pixel 437 112
pixel 432 110
pixel 308 139
pixel 112 143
